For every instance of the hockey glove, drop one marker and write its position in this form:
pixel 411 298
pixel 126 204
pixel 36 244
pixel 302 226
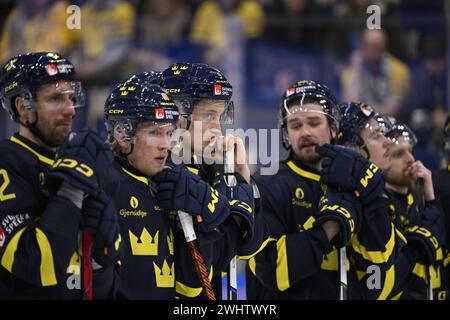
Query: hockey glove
pixel 99 216
pixel 345 209
pixel 80 161
pixel 241 202
pixel 428 231
pixel 179 189
pixel 347 169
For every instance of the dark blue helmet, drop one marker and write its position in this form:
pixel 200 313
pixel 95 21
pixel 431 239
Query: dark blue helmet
pixel 134 102
pixel 24 74
pixel 355 117
pixel 400 130
pixel 187 83
pixel 304 92
pixel 146 78
pixel 150 77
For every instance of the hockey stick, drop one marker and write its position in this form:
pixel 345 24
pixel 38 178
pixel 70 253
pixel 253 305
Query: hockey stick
pixel 231 182
pixel 421 207
pixel 199 263
pixel 87 243
pixel 343 284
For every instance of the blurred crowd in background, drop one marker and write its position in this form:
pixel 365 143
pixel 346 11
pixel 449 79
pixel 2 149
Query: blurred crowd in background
pixel 261 45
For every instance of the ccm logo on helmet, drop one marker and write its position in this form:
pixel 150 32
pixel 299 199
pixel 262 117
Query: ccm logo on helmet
pixel 115 111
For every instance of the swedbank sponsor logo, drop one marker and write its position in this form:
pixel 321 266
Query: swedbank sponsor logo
pixel 133 213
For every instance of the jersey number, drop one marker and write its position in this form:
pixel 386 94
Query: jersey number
pixel 3 196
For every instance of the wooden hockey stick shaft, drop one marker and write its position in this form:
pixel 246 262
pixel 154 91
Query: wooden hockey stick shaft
pixel 87 244
pixel 199 263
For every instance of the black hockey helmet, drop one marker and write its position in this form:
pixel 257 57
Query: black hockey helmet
pixel 355 117
pixel 304 92
pixel 24 74
pixel 134 102
pixel 401 130
pixel 187 83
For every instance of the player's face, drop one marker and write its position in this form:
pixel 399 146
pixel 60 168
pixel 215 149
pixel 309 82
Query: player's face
pixel 206 115
pixel 376 143
pixel 400 158
pixel 151 147
pixel 55 109
pixel 306 130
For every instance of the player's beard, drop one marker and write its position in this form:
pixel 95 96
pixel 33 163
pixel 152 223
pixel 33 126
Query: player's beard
pixel 56 133
pixel 309 159
pixel 400 179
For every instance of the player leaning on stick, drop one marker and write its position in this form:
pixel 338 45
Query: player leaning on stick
pixel 141 118
pixel 203 95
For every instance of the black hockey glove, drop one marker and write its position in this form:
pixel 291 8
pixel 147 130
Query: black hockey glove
pixel 179 189
pixel 344 208
pixel 99 216
pixel 347 169
pixel 80 161
pixel 427 230
pixel 241 202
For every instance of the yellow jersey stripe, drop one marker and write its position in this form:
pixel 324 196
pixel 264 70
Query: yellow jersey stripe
pixel 375 256
pixel 47 269
pixel 190 292
pixel 396 297
pixel 40 156
pixel 193 170
pixel 282 270
pixel 10 250
pixel 252 265
pixel 263 245
pixel 388 284
pixel 139 178
pixel 303 173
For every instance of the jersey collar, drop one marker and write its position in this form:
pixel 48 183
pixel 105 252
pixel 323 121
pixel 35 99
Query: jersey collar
pixel 43 154
pixel 303 170
pixel 131 171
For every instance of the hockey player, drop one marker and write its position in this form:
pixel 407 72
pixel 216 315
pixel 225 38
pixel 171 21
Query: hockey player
pixel 141 118
pixel 300 261
pixel 441 181
pixel 378 243
pixel 40 223
pixel 203 95
pixel 409 203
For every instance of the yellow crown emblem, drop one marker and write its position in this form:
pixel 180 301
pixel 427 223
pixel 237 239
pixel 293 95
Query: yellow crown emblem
pixel 165 278
pixel 147 246
pixel 176 72
pixel 183 67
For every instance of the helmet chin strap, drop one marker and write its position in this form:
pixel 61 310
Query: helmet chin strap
pixel 126 154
